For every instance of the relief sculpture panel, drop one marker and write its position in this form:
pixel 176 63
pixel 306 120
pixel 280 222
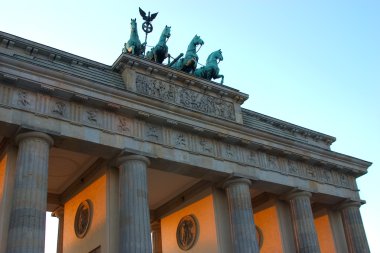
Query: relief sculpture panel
pixel 24 99
pixel 184 97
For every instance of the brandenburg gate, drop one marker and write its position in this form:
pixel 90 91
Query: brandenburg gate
pixel 141 157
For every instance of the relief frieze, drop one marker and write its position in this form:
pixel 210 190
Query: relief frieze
pixel 326 175
pixel 180 140
pixel 229 151
pixel 272 162
pixel 91 116
pixel 23 98
pixel 253 157
pixel 185 97
pixel 292 167
pixel 155 88
pixel 153 133
pixel 206 146
pixel 311 171
pixel 59 108
pixel 123 125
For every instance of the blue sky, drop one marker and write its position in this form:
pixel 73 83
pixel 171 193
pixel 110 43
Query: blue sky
pixel 312 63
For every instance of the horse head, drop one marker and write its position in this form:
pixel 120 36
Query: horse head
pixel 166 32
pixel 133 45
pixel 197 40
pixel 215 56
pixel 133 24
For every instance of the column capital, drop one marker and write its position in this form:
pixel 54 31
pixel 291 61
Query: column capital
pixel 296 193
pixel 58 212
pixel 124 158
pixel 237 181
pixel 349 203
pixel 38 135
pixel 155 225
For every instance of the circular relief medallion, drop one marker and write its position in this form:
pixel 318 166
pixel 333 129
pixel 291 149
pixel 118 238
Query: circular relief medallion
pixel 83 218
pixel 187 232
pixel 259 236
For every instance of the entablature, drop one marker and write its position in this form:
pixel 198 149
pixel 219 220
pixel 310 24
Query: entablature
pixel 212 139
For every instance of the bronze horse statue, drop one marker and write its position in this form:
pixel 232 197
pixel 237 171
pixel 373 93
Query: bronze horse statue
pixel 160 52
pixel 134 46
pixel 189 62
pixel 211 70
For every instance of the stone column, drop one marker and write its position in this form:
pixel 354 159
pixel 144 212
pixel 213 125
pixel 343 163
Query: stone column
pixel 243 231
pixel 27 225
pixel 353 227
pixel 134 208
pixel 156 237
pixel 59 213
pixel 303 222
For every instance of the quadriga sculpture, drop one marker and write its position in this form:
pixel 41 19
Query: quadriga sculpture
pixel 134 46
pixel 211 70
pixel 160 52
pixel 189 62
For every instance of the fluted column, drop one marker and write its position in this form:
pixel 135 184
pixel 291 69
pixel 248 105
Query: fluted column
pixel 27 226
pixel 303 222
pixel 243 231
pixel 134 208
pixel 353 227
pixel 59 213
pixel 156 237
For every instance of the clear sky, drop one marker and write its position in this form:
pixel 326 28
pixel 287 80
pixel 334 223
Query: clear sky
pixel 312 63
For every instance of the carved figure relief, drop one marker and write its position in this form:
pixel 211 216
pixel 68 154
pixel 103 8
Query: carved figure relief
pixel 253 157
pixel 228 151
pixel 344 180
pixel 187 232
pixel 92 116
pixel 293 169
pixel 187 98
pixel 272 162
pixel 155 88
pixel 206 145
pixel 123 125
pixel 23 98
pixel 83 218
pixel 152 132
pixel 59 108
pixel 311 172
pixel 326 175
pixel 180 140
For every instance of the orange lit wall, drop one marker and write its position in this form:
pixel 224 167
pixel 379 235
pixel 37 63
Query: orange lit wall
pixel 204 211
pixel 325 235
pixel 3 163
pixel 96 234
pixel 268 221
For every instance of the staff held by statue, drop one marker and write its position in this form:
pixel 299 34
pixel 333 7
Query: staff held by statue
pixel 147 25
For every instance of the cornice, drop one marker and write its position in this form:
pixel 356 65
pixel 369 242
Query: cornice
pixel 288 127
pixel 30 48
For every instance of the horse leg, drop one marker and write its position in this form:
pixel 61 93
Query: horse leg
pixel 220 76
